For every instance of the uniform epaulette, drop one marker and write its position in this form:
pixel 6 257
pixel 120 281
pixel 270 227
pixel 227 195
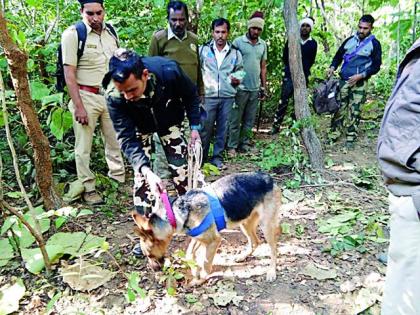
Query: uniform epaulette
pixel 160 34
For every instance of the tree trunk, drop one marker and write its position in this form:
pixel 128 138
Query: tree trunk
pixel 195 16
pixel 310 139
pixel 17 61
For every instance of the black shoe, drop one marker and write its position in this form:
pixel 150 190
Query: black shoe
pixel 217 162
pixel 137 252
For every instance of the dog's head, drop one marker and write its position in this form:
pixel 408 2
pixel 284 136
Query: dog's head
pixel 155 236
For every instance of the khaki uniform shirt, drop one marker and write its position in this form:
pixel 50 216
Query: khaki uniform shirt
pixel 184 51
pixel 93 64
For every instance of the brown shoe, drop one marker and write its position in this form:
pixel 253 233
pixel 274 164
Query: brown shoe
pixel 232 153
pixel 92 198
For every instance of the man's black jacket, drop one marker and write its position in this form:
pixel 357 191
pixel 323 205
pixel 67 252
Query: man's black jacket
pixel 169 94
pixel 308 51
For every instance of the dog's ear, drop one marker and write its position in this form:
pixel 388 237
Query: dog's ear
pixel 142 221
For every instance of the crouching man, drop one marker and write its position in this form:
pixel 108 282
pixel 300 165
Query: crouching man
pixel 146 95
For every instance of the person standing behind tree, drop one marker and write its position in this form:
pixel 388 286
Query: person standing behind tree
pixel 308 48
pixel 362 56
pixel 219 62
pixel 83 78
pixel 177 43
pixel 254 53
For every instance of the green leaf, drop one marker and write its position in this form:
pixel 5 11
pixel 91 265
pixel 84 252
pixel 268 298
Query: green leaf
pixel 178 276
pixel 10 297
pixel 53 300
pixel 285 228
pixel 70 242
pixel 59 222
pixel 6 251
pixel 191 298
pixel 131 296
pixel 60 121
pixel 171 291
pixel 84 212
pixel 1 119
pixel 52 99
pixel 34 261
pixel 91 242
pixel 38 90
pixel 77 243
pixel 14 194
pixel 25 237
pixel 8 223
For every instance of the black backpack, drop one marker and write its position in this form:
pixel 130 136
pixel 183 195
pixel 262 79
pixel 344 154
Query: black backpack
pixel 326 97
pixel 81 39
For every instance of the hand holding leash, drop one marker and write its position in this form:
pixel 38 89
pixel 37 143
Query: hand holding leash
pixel 155 183
pixel 195 136
pixel 330 72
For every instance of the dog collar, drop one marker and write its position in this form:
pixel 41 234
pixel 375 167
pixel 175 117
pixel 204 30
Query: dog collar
pixel 169 212
pixel 216 214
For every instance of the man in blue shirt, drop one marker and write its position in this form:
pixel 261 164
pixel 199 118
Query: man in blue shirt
pixel 362 55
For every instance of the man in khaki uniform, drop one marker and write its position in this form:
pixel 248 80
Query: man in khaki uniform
pixel 176 43
pixel 88 105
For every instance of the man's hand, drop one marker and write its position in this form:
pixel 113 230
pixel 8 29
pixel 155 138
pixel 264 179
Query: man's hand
pixel 234 81
pixel 195 136
pixel 81 115
pixel 330 72
pixel 155 183
pixel 354 79
pixel 262 95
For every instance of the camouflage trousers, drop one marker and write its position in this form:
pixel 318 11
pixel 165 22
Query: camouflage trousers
pixel 175 147
pixel 347 118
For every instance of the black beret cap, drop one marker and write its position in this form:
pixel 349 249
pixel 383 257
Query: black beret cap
pixel 82 2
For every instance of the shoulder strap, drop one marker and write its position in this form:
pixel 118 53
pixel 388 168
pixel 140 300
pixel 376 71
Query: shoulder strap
pixel 348 57
pixel 113 32
pixel 81 38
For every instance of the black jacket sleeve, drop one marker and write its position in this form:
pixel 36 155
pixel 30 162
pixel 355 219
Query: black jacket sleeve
pixel 189 94
pixel 338 58
pixel 312 55
pixel 126 133
pixel 376 59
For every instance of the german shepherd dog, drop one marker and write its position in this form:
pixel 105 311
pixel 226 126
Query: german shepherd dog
pixel 246 198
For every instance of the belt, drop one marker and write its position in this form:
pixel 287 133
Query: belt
pixel 91 89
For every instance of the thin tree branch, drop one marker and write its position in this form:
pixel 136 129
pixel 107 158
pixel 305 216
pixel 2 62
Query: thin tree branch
pixel 37 231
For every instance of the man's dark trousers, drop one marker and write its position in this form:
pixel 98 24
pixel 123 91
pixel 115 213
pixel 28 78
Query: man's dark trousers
pixel 218 110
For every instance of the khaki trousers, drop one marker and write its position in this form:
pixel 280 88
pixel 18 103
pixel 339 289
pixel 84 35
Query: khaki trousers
pixel 402 284
pixel 97 110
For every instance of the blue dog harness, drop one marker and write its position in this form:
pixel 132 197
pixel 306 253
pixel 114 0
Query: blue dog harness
pixel 216 215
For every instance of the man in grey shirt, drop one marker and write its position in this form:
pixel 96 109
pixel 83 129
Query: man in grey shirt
pixel 399 160
pixel 254 53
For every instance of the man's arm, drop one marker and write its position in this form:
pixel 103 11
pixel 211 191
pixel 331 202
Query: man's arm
pixel 338 58
pixel 238 67
pixel 312 55
pixel 263 74
pixel 69 44
pixel 285 56
pixel 126 133
pixel 376 60
pixel 154 46
pixel 80 114
pixel 189 95
pixel 200 82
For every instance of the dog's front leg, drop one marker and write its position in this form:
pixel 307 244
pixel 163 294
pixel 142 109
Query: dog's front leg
pixel 191 255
